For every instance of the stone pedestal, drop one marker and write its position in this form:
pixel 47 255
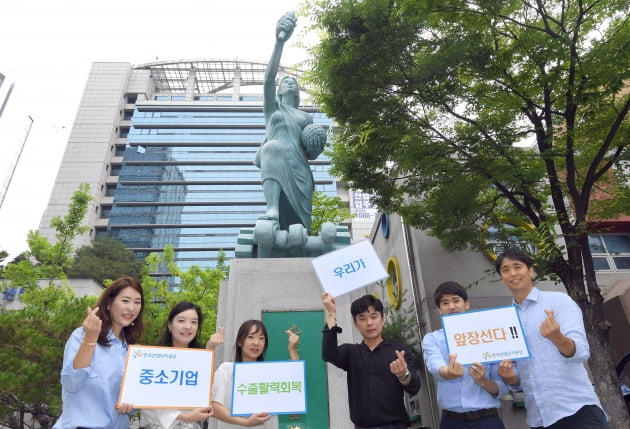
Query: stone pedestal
pixel 283 284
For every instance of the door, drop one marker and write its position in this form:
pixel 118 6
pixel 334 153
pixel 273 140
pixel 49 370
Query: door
pixel 308 325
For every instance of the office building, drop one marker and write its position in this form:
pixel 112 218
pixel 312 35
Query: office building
pixel 167 149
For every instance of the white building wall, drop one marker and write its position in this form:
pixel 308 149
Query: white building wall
pixel 91 145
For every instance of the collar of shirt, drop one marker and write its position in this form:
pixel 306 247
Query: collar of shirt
pixel 383 343
pixel 532 296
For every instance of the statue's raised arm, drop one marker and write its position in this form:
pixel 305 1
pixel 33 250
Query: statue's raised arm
pixel 284 30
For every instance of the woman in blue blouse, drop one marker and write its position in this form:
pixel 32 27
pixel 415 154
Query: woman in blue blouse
pixel 94 359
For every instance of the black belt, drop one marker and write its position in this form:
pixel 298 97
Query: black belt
pixel 471 415
pixel 396 426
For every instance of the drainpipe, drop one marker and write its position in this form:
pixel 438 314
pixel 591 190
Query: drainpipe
pixel 422 313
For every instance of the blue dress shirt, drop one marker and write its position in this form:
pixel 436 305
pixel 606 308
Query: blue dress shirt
pixel 461 394
pixel 554 386
pixel 90 394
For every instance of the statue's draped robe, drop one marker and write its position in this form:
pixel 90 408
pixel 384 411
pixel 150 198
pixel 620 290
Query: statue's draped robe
pixel 284 160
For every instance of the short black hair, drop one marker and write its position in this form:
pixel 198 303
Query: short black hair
pixel 362 304
pixel 516 254
pixel 449 288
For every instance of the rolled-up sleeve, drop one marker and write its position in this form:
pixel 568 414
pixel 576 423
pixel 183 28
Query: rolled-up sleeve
pixel 73 379
pixel 433 357
pixel 569 316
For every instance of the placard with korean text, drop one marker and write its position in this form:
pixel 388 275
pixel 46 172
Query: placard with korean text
pixel 485 336
pixel 275 387
pixel 167 377
pixel 349 268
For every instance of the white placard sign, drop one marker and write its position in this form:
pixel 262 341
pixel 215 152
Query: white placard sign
pixel 167 377
pixel 485 336
pixel 349 268
pixel 274 387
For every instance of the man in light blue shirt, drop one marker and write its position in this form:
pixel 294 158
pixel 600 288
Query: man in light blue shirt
pixel 558 391
pixel 469 398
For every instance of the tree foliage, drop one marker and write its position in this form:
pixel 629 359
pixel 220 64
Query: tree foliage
pixel 105 259
pixel 327 209
pixel 401 326
pixel 434 99
pixel 32 340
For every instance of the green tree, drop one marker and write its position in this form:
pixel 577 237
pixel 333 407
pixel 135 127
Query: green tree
pixel 434 99
pixel 106 258
pixel 3 256
pixel 327 209
pixel 32 340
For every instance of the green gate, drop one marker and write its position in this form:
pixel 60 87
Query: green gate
pixel 309 325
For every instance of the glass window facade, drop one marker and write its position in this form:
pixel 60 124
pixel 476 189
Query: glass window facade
pixel 610 252
pixel 187 179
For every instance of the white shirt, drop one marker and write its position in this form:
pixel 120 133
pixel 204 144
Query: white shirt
pixel 166 419
pixel 222 393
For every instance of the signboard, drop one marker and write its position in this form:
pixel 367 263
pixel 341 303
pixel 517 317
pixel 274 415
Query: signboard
pixel 167 377
pixel 361 207
pixel 485 336
pixel 349 268
pixel 274 387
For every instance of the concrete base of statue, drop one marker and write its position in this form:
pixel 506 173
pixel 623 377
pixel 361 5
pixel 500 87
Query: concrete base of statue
pixel 283 284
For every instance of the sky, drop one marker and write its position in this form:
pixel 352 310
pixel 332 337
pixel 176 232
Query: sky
pixel 47 48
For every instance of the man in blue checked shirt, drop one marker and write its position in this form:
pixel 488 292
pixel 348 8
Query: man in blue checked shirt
pixel 558 392
pixel 469 397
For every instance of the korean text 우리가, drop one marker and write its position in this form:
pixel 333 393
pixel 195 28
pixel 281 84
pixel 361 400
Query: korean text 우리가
pixel 351 267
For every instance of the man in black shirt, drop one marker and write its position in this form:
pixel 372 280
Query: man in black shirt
pixel 378 372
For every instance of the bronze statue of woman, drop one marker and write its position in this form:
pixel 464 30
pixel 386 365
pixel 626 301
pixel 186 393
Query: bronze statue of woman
pixel 291 140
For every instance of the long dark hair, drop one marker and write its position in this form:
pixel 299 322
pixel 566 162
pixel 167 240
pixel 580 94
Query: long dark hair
pixel 167 336
pixel 242 334
pixel 132 332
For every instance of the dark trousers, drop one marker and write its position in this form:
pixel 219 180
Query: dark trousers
pixel 490 422
pixel 587 417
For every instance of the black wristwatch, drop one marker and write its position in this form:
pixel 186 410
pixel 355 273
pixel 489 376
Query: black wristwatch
pixel 406 376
